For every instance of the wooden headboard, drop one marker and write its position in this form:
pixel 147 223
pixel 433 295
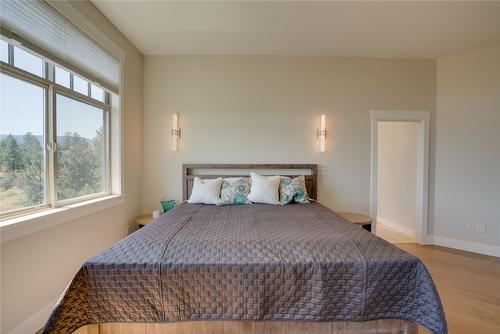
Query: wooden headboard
pixel 189 172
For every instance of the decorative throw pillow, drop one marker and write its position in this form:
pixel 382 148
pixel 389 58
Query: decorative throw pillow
pixel 293 190
pixel 205 191
pixel 235 191
pixel 264 189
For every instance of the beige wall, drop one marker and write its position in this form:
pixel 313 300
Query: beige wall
pixel 251 109
pixel 36 268
pixel 397 174
pixel 467 174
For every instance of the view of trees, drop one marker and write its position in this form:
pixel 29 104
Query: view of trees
pixel 80 168
pixel 80 165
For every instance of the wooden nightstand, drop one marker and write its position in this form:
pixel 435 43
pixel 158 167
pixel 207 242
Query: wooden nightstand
pixel 143 219
pixel 355 218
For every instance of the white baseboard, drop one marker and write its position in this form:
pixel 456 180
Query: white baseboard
pixel 395 226
pixel 464 245
pixel 35 322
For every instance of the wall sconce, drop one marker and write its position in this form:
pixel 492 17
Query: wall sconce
pixel 176 132
pixel 321 133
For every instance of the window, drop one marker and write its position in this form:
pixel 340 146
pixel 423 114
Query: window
pixel 22 141
pixel 80 86
pixel 28 62
pixel 62 77
pixel 81 148
pixel 97 93
pixel 54 134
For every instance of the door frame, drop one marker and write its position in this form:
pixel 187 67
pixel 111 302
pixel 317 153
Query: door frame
pixel 423 120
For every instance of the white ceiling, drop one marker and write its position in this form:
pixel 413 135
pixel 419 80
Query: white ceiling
pixel 420 29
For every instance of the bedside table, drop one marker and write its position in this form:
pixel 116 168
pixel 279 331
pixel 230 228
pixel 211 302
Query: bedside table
pixel 361 220
pixel 143 219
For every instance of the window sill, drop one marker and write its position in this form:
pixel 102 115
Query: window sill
pixel 23 225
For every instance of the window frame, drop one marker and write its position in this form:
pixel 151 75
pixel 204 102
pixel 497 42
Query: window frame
pixel 106 128
pixel 52 89
pixel 31 79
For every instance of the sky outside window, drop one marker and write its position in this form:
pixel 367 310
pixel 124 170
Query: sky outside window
pixel 96 93
pixel 81 86
pixel 21 108
pixel 62 77
pixel 28 62
pixel 24 111
pixel 76 117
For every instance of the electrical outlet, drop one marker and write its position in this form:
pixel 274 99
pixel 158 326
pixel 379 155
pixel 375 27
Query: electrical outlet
pixel 469 226
pixel 481 227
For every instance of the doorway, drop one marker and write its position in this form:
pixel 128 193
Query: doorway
pixel 399 175
pixel 397 181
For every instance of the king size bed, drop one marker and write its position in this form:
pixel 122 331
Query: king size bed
pixel 253 268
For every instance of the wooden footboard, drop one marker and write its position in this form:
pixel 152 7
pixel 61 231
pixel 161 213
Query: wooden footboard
pixel 386 326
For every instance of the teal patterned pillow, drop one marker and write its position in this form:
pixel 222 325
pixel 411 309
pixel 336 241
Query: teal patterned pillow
pixel 293 190
pixel 235 191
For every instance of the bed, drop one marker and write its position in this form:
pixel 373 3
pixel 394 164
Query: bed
pixel 297 268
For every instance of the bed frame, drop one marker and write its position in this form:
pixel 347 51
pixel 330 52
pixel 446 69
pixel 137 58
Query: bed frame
pixel 386 326
pixel 310 172
pixel 190 171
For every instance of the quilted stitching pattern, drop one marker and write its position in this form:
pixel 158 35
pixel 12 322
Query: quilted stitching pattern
pixel 299 262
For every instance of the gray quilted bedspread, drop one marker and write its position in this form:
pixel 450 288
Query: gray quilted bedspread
pixel 299 262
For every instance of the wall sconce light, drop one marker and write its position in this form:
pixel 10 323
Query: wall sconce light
pixel 176 132
pixel 321 133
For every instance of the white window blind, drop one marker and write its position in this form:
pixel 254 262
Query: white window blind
pixel 38 23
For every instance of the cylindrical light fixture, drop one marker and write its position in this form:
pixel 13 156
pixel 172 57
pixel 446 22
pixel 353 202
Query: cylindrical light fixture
pixel 176 132
pixel 322 133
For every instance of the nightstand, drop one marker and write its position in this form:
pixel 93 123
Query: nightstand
pixel 143 219
pixel 361 220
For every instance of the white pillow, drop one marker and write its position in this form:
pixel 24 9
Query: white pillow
pixel 205 191
pixel 264 189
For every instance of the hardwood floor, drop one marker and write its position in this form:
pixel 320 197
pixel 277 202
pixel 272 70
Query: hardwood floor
pixel 468 285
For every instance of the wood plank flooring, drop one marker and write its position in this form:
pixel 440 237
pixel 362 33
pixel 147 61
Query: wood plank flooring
pixel 468 284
